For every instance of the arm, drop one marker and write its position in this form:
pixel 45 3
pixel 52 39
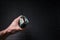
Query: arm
pixel 12 28
pixel 2 34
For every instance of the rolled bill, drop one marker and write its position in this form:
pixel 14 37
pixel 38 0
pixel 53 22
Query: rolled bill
pixel 23 21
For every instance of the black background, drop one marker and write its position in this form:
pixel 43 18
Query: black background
pixel 44 19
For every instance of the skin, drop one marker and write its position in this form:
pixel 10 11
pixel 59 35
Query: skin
pixel 12 28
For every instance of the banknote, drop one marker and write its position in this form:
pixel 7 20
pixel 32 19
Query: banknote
pixel 23 21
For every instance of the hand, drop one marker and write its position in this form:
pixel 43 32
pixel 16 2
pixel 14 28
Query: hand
pixel 14 26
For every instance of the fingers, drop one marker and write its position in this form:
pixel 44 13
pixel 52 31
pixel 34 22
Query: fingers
pixel 15 22
pixel 17 19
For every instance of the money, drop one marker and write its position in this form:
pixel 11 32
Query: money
pixel 23 21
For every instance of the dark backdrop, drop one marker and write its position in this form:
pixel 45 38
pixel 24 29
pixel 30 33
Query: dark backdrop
pixel 44 20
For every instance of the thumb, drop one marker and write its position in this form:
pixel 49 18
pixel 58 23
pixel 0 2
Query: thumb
pixel 17 19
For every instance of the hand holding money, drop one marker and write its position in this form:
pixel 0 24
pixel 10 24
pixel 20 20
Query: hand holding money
pixel 14 27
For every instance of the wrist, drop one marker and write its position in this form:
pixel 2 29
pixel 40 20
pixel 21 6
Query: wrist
pixel 3 33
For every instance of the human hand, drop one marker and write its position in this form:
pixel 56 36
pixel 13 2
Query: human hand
pixel 14 26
